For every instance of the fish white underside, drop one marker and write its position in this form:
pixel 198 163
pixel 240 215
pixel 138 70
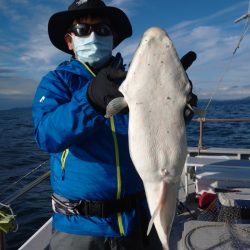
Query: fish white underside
pixel 155 90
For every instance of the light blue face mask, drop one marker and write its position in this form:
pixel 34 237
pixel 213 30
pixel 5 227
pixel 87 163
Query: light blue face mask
pixel 95 50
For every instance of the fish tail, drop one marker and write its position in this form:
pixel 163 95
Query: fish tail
pixel 163 213
pixel 151 222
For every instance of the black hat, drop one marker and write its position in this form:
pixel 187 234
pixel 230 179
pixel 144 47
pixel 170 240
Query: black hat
pixel 61 21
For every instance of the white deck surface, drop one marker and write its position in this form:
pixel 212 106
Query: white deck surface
pixel 209 177
pixel 237 153
pixel 241 196
pixel 199 162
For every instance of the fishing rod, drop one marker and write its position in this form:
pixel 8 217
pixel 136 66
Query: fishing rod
pixel 23 177
pixel 8 201
pixel 7 221
pixel 242 17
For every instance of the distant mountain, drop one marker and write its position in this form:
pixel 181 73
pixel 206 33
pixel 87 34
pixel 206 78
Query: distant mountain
pixel 246 99
pixel 241 100
pixel 17 109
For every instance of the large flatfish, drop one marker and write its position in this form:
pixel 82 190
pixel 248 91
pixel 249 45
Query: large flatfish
pixel 156 90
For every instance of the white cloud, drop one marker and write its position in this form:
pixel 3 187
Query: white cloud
pixel 127 49
pixel 128 6
pixel 207 34
pixel 16 92
pixel 39 50
pixel 23 2
pixel 206 20
pixel 11 10
pixel 216 70
pixel 119 2
pixel 9 92
pixel 28 50
pixel 225 92
pixel 13 86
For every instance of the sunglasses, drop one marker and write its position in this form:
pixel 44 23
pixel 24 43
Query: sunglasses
pixel 84 29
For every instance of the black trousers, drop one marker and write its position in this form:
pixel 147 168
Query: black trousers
pixel 137 241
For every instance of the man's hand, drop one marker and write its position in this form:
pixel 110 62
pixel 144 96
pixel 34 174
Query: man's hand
pixel 188 59
pixel 103 88
pixel 192 99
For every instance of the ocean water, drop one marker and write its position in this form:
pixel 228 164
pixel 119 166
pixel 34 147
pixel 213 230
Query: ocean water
pixel 20 155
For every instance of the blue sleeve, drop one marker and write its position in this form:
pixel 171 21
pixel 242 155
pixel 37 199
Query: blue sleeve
pixel 61 118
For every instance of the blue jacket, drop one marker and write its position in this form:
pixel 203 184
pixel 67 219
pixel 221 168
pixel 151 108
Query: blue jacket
pixel 89 154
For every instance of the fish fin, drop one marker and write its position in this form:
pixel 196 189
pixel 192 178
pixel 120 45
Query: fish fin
pixel 201 113
pixel 161 199
pixel 163 213
pixel 163 193
pixel 151 222
pixel 115 106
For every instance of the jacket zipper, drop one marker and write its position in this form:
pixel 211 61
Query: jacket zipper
pixel 63 160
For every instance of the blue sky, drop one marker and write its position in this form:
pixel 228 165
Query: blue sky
pixel 204 26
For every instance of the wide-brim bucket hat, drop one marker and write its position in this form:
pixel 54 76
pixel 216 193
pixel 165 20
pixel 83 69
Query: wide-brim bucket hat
pixel 60 22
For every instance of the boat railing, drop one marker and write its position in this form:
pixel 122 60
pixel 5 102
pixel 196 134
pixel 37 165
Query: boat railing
pixel 239 153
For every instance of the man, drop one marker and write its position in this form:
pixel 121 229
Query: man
pixel 98 198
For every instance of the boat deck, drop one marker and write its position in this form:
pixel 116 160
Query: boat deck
pixel 187 232
pixel 190 233
pixel 180 219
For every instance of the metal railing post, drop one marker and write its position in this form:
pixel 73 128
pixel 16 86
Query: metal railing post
pixel 200 146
